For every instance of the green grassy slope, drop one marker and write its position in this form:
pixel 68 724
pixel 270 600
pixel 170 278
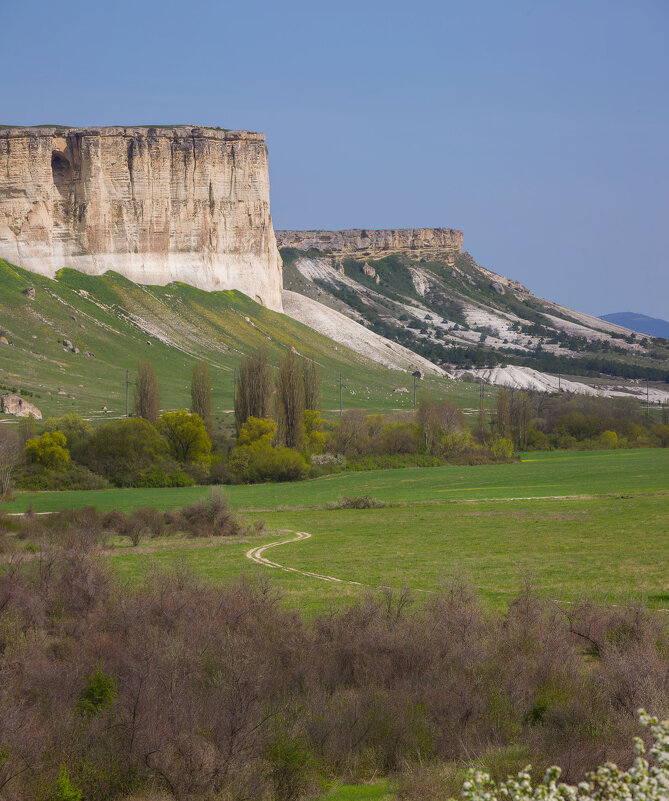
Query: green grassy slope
pixel 116 320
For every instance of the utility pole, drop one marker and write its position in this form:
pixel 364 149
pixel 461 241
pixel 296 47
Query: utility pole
pixel 234 387
pixel 647 400
pixel 340 397
pixel 414 390
pixel 127 385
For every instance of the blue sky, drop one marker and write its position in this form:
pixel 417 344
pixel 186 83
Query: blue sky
pixel 541 129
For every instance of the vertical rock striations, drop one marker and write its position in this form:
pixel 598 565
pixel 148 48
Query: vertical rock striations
pixel 154 204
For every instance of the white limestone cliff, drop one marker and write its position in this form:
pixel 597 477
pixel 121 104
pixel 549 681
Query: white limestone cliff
pixel 154 204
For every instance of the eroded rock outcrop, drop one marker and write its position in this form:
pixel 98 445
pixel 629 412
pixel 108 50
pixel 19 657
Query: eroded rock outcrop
pixel 367 243
pixel 154 204
pixel 19 407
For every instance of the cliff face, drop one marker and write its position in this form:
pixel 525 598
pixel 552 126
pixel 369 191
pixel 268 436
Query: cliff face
pixel 417 242
pixel 156 205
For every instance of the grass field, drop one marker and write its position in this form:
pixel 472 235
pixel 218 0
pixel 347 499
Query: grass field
pixel 573 523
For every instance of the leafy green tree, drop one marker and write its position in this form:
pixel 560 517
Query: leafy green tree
pixel 77 432
pixel 186 435
pixel 147 396
pixel 49 450
pixel 200 392
pixel 123 449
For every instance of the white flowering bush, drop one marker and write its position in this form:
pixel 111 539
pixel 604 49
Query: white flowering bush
pixel 642 782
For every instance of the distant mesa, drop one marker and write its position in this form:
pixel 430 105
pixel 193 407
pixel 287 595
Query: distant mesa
pixel 156 204
pixel 654 326
pixel 368 243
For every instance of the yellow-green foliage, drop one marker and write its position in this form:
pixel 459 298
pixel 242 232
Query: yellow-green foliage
pixel 49 450
pixel 314 436
pixel 256 429
pixel 256 459
pixel 186 434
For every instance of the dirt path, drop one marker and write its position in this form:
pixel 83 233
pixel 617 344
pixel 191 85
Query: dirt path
pixel 256 555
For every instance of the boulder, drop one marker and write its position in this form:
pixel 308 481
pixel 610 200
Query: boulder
pixel 369 271
pixel 19 407
pixel 67 343
pixel 29 292
pixel 497 287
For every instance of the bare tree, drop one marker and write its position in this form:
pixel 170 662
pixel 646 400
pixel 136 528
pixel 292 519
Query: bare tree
pixel 254 388
pixel 147 399
pixel 520 418
pixel 312 385
pixel 503 420
pixel 10 451
pixel 290 391
pixel 200 392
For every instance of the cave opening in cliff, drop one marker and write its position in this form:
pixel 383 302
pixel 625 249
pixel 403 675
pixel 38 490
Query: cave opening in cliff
pixel 62 172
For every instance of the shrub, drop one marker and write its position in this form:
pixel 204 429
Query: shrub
pixel 361 502
pixel 100 692
pixel 608 783
pixel 64 790
pixel 261 462
pixel 210 517
pixel 71 477
pixel 49 450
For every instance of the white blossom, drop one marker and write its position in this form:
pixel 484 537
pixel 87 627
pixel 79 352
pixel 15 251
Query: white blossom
pixel 642 782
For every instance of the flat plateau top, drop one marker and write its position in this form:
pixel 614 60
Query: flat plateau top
pixel 142 131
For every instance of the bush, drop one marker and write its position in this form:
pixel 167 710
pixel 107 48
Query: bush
pixel 361 502
pixel 261 462
pixel 36 477
pixel 159 477
pixel 49 450
pixel 211 517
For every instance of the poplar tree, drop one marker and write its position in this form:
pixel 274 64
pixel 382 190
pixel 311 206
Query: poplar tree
pixel 254 388
pixel 147 397
pixel 290 396
pixel 312 385
pixel 200 392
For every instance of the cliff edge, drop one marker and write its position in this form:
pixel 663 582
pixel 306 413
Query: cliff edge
pixel 154 204
pixel 368 243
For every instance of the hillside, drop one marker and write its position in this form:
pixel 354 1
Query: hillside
pixel 112 322
pixel 469 320
pixel 653 326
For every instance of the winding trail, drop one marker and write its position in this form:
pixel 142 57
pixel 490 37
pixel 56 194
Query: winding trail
pixel 256 555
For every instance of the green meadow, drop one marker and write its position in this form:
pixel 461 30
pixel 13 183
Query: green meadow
pixel 573 524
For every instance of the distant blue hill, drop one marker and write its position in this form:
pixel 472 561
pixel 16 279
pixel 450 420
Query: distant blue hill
pixel 639 322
